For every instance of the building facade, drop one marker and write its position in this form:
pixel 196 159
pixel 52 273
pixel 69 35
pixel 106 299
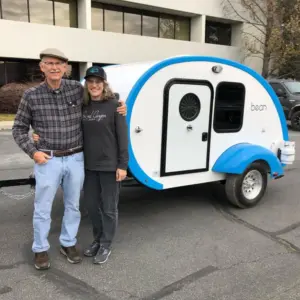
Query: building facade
pixel 109 32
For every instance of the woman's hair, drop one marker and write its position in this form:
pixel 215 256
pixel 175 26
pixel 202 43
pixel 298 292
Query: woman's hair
pixel 107 93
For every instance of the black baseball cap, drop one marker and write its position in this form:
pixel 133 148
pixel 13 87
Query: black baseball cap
pixel 96 72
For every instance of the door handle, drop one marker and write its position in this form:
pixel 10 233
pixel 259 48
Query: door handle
pixel 138 129
pixel 204 136
pixel 189 127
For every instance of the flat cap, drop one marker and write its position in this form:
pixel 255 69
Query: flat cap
pixel 52 52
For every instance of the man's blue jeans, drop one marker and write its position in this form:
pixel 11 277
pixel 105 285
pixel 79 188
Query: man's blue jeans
pixel 67 171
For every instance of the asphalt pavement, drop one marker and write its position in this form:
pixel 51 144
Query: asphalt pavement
pixel 185 243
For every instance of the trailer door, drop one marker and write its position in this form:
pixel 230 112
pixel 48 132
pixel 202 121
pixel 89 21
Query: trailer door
pixel 186 127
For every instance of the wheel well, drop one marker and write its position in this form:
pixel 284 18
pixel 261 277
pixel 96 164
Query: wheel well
pixel 264 164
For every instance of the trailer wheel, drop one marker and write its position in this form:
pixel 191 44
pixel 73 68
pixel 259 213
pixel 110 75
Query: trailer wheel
pixel 247 189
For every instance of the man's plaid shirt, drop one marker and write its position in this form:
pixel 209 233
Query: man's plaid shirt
pixel 55 115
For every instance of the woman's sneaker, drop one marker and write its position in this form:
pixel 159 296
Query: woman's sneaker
pixel 102 255
pixel 92 249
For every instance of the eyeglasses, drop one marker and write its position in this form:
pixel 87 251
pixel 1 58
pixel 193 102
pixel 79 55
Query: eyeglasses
pixel 52 64
pixel 96 81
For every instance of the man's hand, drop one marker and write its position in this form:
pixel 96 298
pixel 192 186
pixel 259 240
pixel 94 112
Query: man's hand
pixel 121 174
pixel 122 109
pixel 40 158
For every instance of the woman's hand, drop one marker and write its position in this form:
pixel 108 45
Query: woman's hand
pixel 121 174
pixel 35 137
pixel 122 109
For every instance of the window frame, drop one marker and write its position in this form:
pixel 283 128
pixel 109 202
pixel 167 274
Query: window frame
pixel 218 24
pixel 236 130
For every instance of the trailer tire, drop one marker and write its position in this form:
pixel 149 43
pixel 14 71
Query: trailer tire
pixel 247 189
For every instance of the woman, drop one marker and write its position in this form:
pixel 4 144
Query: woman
pixel 105 144
pixel 106 159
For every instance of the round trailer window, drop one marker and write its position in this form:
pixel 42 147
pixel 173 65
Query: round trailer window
pixel 189 107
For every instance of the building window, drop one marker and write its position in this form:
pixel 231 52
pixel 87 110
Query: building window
pixel 65 13
pixel 73 71
pixel 150 26
pixel 2 74
pixel 132 23
pixel 113 20
pixel 16 76
pixel 139 22
pixel 218 33
pixel 41 11
pixel 166 27
pixel 229 107
pixel 16 10
pixel 182 29
pixel 97 16
pixel 52 12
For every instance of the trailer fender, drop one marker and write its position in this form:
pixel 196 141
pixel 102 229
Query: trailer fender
pixel 238 157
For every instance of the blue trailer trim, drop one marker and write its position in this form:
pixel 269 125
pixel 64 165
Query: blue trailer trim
pixel 238 157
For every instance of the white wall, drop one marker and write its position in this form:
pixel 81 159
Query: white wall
pixel 200 7
pixel 198 29
pixel 87 46
pixel 212 8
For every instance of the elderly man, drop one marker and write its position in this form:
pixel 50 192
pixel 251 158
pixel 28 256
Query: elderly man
pixel 53 109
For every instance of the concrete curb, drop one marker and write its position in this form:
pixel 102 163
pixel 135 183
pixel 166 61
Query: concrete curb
pixel 5 129
pixel 6 125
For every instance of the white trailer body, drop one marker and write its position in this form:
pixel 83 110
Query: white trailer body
pixel 195 119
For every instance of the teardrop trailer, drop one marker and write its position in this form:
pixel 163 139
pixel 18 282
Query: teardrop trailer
pixel 197 119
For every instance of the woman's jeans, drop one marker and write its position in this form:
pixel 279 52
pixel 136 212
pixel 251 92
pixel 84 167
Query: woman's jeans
pixel 67 172
pixel 101 195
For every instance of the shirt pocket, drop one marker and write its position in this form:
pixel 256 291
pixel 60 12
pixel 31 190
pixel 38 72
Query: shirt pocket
pixel 73 107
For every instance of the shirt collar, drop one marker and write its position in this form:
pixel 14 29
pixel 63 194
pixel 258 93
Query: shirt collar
pixel 60 89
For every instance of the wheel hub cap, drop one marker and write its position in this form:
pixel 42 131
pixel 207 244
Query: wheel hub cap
pixel 252 184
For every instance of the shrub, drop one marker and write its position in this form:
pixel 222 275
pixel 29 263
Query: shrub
pixel 10 96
